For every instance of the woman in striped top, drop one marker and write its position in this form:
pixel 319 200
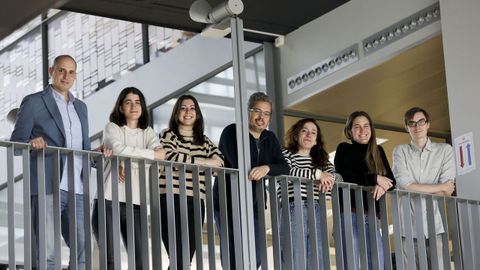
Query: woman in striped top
pixel 307 158
pixel 184 141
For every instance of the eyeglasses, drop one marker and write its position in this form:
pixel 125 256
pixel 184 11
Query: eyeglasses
pixel 420 123
pixel 258 112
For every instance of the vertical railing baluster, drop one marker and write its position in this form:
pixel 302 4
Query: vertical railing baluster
pixel 142 177
pixel 27 210
pixel 361 232
pixel 156 227
pixel 197 212
pixel 210 218
pixel 274 211
pixel 12 260
pixel 130 215
pixel 396 199
pixel 262 241
pixel 87 225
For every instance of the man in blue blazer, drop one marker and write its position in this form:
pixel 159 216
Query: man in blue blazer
pixel 54 117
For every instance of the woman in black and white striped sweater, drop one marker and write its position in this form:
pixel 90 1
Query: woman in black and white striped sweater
pixel 307 158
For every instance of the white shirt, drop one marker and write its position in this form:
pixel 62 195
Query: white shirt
pixel 73 139
pixel 434 164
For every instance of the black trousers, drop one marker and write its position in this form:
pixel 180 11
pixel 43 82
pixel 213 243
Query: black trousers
pixel 177 224
pixel 123 231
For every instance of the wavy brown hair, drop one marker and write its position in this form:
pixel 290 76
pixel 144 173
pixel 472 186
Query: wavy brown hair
pixel 318 153
pixel 373 157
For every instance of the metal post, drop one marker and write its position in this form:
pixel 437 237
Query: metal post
pixel 243 145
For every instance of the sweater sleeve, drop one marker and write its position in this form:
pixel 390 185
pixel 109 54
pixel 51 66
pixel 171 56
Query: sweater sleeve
pixel 112 136
pixel 151 139
pixel 388 170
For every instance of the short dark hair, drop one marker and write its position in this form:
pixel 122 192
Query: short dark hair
pixel 118 117
pixel 318 153
pixel 60 57
pixel 259 96
pixel 198 126
pixel 411 113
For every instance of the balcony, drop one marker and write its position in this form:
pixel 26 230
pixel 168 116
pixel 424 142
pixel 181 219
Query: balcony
pixel 460 219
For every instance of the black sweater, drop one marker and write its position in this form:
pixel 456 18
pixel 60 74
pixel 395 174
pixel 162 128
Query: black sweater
pixel 351 164
pixel 266 152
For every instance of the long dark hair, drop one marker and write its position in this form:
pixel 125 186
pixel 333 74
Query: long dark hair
pixel 118 117
pixel 198 126
pixel 373 157
pixel 318 153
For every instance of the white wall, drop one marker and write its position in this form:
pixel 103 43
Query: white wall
pixel 347 25
pixel 460 22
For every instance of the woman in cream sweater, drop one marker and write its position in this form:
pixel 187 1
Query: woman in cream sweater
pixel 128 134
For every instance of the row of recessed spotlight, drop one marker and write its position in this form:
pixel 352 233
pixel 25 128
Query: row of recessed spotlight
pixel 321 69
pixel 417 21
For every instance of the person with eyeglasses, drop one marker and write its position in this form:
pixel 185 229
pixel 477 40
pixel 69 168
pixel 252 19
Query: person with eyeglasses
pixel 266 159
pixel 427 167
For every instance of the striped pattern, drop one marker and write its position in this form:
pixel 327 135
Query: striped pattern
pixel 301 166
pixel 183 150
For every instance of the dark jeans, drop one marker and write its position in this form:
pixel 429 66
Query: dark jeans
pixel 123 230
pixel 177 224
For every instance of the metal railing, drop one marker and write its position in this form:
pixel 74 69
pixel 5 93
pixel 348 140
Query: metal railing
pixel 460 219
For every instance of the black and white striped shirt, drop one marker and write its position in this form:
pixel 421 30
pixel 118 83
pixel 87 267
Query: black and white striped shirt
pixel 301 166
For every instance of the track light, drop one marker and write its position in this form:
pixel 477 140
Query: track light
pixel 402 28
pixel 324 68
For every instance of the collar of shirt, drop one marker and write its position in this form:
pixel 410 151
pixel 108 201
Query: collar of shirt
pixel 428 146
pixel 58 96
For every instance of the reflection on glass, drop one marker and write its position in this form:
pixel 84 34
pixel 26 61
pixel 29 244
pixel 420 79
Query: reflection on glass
pixel 20 72
pixel 105 49
pixel 20 32
pixel 162 39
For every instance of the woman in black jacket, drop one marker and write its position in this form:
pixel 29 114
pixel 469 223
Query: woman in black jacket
pixel 364 163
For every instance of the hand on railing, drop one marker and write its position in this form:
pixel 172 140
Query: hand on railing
pixel 326 182
pixel 121 174
pixel 258 173
pixel 384 182
pixel 38 143
pixel 159 153
pixel 105 150
pixel 448 187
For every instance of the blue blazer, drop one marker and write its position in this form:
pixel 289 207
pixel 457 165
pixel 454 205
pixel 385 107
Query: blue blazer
pixel 38 116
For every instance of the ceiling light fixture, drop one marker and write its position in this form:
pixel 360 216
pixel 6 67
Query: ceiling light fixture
pixel 324 68
pixel 401 29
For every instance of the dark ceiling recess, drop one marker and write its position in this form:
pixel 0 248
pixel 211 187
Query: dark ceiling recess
pixel 273 16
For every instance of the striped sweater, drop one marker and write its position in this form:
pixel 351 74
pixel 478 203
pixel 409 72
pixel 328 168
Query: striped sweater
pixel 183 150
pixel 301 166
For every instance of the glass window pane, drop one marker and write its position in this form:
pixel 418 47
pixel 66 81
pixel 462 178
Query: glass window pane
pixel 20 72
pixel 105 49
pixel 20 32
pixel 162 39
pixel 216 98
